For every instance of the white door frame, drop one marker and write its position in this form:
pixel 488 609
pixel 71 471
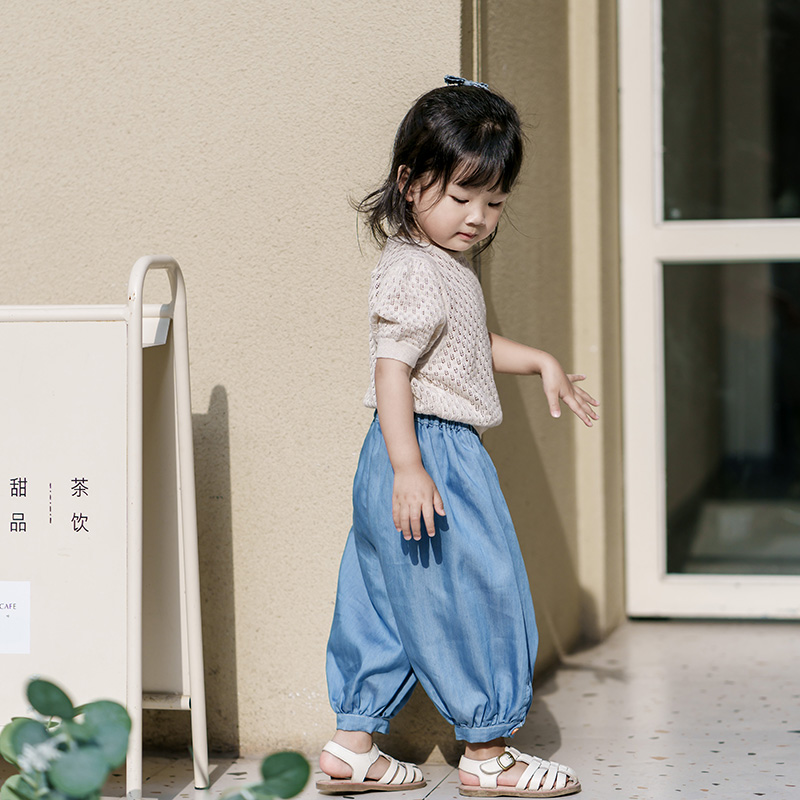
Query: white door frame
pixel 647 242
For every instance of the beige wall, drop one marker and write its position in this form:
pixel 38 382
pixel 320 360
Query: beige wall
pixel 231 135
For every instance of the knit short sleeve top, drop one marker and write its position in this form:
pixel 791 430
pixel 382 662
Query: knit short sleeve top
pixel 426 309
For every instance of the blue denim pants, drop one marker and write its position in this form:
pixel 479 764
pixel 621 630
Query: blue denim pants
pixel 452 611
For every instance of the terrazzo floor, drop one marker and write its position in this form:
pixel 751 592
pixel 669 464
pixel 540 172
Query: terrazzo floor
pixel 659 710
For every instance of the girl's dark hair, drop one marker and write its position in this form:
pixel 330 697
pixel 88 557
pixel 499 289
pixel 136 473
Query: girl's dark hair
pixel 463 133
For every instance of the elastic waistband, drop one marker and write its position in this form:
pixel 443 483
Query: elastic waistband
pixel 432 421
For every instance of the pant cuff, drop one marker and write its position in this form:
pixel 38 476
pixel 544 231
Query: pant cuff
pixel 359 722
pixel 488 732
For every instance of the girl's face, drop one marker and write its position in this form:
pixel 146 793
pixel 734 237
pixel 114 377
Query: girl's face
pixel 457 218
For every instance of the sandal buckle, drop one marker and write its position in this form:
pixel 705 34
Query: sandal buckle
pixel 505 761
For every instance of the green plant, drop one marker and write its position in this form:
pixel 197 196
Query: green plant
pixel 67 752
pixel 284 775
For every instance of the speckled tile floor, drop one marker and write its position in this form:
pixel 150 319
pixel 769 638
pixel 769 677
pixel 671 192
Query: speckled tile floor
pixel 659 710
pixel 665 709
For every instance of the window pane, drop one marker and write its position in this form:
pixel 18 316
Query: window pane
pixel 732 350
pixel 731 109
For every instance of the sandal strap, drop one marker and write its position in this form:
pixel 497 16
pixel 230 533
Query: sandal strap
pixel 545 775
pixel 397 773
pixel 394 770
pixel 489 770
pixel 539 774
pixel 358 762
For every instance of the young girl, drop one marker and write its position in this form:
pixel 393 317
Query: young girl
pixel 432 586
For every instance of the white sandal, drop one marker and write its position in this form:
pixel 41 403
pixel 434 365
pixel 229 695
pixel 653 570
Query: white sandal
pixel 540 779
pixel 398 777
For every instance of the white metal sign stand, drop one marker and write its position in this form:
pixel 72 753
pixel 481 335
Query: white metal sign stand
pixel 97 501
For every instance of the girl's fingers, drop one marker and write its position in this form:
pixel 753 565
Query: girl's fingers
pixel 430 526
pixel 586 404
pixel 580 391
pixel 410 516
pixel 428 513
pixel 410 521
pixel 578 400
pixel 438 505
pixel 416 525
pixel 585 396
pixel 578 409
pixel 554 401
pixel 405 527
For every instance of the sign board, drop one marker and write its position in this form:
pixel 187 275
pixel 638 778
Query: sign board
pixel 63 492
pixel 95 449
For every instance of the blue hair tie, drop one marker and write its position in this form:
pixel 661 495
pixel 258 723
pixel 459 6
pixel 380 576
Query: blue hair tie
pixel 453 80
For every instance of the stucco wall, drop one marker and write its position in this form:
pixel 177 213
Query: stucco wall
pixel 229 135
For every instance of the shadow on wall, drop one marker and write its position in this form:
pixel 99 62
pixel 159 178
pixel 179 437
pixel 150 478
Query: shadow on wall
pixel 534 453
pixel 540 529
pixel 165 730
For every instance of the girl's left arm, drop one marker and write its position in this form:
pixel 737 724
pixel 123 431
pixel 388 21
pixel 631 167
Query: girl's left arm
pixel 519 359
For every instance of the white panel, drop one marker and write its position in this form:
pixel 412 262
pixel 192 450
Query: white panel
pixel 164 667
pixel 63 502
pixel 15 617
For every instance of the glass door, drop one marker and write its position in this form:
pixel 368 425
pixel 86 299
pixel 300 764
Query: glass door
pixel 710 184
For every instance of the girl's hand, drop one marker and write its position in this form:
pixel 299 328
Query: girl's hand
pixel 415 497
pixel 559 386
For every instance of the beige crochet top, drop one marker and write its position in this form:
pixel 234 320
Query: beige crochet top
pixel 426 309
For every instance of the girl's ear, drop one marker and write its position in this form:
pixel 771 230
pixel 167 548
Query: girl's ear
pixel 407 191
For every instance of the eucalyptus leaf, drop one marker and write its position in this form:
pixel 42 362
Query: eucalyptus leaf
pixel 79 772
pixel 257 792
pixel 26 731
pixel 49 700
pixel 6 745
pixel 113 743
pixel 105 712
pixel 15 788
pixel 79 731
pixel 285 774
pixel 262 791
pixel 111 724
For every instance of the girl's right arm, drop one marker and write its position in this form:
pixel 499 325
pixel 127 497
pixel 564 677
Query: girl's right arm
pixel 414 496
